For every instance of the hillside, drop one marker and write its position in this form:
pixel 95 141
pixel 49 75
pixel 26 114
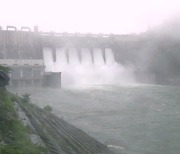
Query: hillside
pixel 26 128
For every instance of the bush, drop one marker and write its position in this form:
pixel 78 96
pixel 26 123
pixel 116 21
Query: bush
pixel 26 98
pixel 5 69
pixel 14 136
pixel 48 108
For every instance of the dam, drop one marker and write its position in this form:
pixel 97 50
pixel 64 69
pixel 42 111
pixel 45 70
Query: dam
pixel 38 58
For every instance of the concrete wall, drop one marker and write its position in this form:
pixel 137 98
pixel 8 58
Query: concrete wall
pixel 20 45
pixel 21 62
pixel 26 76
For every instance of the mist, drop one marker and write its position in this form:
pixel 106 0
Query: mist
pixel 88 72
pixel 118 62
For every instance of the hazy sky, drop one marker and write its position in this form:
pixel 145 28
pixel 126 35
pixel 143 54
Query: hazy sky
pixel 95 16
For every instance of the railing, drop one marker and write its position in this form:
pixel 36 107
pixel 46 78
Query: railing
pixel 19 62
pixel 65 34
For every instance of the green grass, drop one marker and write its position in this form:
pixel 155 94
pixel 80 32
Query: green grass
pixel 14 136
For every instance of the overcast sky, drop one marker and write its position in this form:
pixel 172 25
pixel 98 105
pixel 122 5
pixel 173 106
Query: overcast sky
pixel 95 16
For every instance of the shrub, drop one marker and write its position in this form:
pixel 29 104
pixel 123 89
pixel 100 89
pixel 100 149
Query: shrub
pixel 48 108
pixel 5 69
pixel 26 98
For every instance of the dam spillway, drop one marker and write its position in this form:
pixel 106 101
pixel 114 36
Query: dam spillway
pixel 33 54
pixel 72 57
pixel 79 68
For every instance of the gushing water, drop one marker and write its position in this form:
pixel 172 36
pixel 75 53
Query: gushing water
pixel 98 57
pixel 86 68
pixel 73 57
pixel 48 60
pixel 109 57
pixel 61 60
pixel 86 57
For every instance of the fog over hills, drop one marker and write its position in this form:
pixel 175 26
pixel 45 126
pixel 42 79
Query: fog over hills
pixel 155 54
pixel 169 28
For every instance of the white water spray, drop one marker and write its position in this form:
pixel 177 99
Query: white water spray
pixel 76 73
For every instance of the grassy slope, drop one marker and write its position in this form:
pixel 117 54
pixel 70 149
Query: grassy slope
pixel 58 135
pixel 14 137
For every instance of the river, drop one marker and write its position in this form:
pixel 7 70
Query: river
pixel 130 119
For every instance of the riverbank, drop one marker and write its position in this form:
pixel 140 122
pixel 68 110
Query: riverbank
pixel 57 136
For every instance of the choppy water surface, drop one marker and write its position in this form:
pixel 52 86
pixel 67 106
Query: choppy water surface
pixel 137 119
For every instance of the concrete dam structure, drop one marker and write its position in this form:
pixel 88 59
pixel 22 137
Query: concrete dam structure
pixel 35 56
